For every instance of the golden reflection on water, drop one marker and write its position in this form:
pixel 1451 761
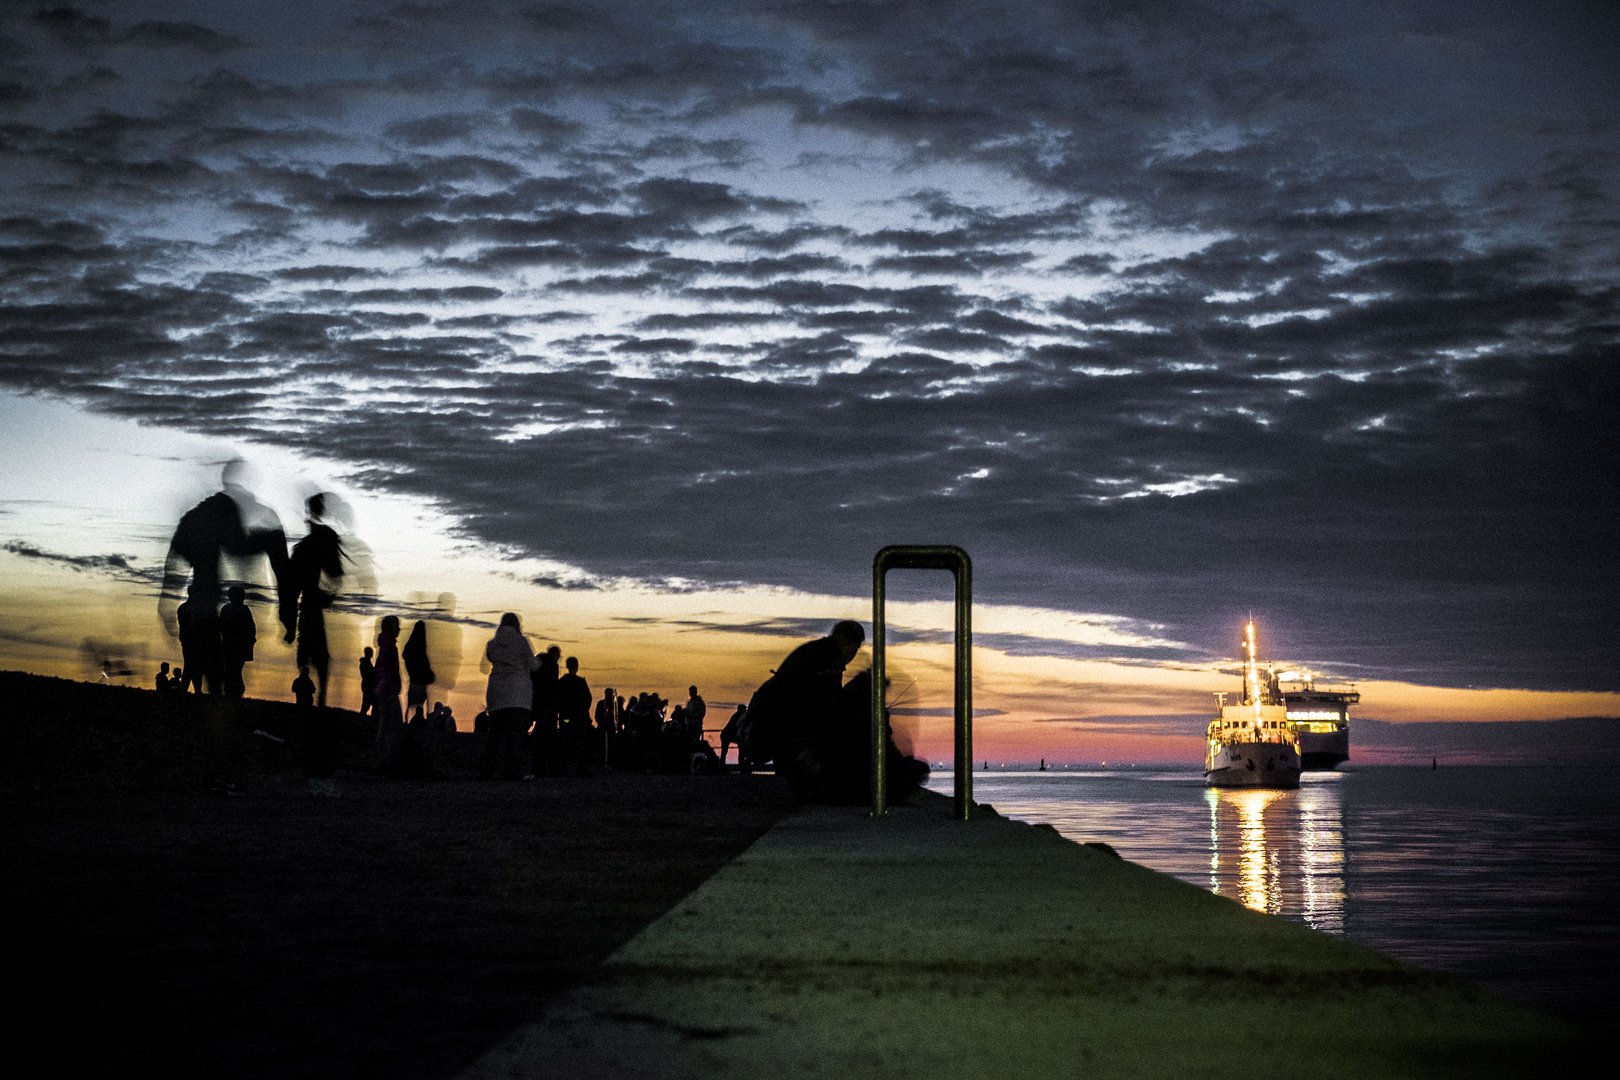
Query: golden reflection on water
pixel 1281 851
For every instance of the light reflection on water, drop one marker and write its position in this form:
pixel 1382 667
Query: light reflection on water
pixel 1504 875
pixel 1280 851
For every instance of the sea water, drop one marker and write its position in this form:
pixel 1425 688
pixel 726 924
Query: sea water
pixel 1509 876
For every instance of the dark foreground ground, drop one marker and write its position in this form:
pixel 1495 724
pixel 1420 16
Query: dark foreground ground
pixel 399 930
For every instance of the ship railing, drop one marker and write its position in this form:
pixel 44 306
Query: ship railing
pixel 1248 733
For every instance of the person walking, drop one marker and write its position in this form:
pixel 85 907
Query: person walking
pixel 509 698
pixel 316 562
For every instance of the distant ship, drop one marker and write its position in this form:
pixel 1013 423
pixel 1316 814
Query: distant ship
pixel 1251 742
pixel 1321 720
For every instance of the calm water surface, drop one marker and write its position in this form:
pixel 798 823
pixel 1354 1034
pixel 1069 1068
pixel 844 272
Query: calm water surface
pixel 1509 876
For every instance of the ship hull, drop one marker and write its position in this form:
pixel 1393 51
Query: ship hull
pixel 1324 751
pixel 1321 721
pixel 1253 765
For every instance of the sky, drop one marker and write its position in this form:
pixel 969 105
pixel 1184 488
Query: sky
pixel 656 321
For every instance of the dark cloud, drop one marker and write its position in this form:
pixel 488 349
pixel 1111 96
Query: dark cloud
pixel 118 566
pixel 84 31
pixel 1177 311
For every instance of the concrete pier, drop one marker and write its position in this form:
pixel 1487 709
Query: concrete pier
pixel 917 946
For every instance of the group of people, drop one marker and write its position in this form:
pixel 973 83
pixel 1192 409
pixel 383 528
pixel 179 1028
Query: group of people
pixel 804 720
pixel 543 696
pixel 214 646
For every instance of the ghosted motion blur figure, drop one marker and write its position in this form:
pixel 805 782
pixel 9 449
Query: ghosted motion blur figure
pixel 228 532
pixel 317 573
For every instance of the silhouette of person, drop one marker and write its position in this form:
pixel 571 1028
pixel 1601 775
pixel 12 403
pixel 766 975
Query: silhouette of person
pixel 237 635
pixel 574 716
pixel 190 640
pixel 303 691
pixel 418 671
pixel 732 733
pixel 783 715
pixel 368 681
pixel 607 722
pixel 316 729
pixel 508 699
pixel 316 571
pixel 696 710
pixel 390 721
pixel 544 759
pixel 162 682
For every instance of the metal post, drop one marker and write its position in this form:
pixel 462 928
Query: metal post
pixel 926 557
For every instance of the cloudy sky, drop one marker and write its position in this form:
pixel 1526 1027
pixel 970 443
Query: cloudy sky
pixel 1168 313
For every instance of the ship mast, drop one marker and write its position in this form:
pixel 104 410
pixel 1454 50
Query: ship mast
pixel 1259 687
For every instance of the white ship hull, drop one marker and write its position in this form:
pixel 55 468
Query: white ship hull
pixel 1252 765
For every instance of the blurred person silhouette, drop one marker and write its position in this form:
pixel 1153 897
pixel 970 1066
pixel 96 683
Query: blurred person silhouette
pixel 237 636
pixel 229 529
pixel 574 718
pixel 418 671
pixel 368 683
pixel 440 720
pixel 509 698
pixel 544 759
pixel 838 768
pixel 390 721
pixel 162 681
pixel 315 576
pixel 444 643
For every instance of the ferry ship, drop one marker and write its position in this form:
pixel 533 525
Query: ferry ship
pixel 1321 720
pixel 1251 742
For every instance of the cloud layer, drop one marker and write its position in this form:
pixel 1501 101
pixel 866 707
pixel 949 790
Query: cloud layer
pixel 1175 311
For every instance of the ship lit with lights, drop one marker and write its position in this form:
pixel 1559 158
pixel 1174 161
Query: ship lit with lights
pixel 1251 742
pixel 1321 719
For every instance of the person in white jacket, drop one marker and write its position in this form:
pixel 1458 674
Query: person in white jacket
pixel 509 660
